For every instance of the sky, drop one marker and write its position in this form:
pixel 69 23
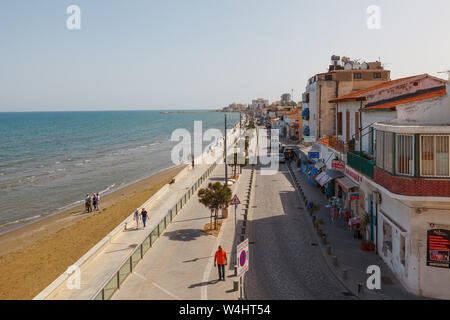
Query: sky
pixel 193 54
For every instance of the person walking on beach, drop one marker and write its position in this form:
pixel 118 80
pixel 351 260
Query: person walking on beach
pixel 136 217
pixel 144 216
pixel 89 203
pixel 220 259
pixel 98 201
pixel 86 202
pixel 94 201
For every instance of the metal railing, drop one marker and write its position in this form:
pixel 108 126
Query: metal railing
pixel 360 163
pixel 114 282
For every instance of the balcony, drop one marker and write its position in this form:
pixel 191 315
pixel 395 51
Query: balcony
pixel 334 143
pixel 361 163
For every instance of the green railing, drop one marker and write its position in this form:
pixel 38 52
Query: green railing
pixel 360 163
pixel 110 286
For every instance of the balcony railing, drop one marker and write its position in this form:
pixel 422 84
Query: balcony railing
pixel 360 163
pixel 334 143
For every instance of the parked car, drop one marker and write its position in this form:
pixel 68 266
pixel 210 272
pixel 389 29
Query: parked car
pixel 282 159
pixel 289 153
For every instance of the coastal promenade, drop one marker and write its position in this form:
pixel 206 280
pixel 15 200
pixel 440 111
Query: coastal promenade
pixel 98 268
pixel 97 271
pixel 180 265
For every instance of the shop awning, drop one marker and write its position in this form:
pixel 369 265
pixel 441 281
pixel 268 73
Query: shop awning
pixel 327 176
pixel 334 174
pixel 323 178
pixel 346 184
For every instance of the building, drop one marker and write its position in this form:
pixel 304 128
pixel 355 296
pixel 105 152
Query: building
pixel 259 103
pixel 344 77
pixel 404 187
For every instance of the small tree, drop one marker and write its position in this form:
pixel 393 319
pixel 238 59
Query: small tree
pixel 215 197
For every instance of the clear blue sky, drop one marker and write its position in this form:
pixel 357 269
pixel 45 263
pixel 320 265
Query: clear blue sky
pixel 143 54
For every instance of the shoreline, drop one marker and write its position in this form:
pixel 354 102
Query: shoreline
pixel 38 252
pixel 4 229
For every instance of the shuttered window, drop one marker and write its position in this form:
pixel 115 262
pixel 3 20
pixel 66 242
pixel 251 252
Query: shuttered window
pixel 434 156
pixel 339 123
pixel 388 148
pixel 357 133
pixel 405 154
pixel 380 149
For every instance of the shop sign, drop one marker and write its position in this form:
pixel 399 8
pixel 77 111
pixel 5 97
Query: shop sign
pixel 438 246
pixel 314 155
pixel 338 165
pixel 353 175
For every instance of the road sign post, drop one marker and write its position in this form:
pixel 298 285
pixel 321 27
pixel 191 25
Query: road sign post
pixel 242 262
pixel 235 201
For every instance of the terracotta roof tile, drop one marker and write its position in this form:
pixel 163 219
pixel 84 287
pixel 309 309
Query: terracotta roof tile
pixel 360 93
pixel 421 97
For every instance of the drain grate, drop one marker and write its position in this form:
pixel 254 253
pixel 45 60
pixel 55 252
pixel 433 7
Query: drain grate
pixel 313 244
pixel 347 294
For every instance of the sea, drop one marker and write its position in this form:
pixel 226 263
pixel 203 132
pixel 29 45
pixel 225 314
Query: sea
pixel 50 160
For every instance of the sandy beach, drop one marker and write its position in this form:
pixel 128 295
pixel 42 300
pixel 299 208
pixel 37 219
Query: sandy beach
pixel 35 255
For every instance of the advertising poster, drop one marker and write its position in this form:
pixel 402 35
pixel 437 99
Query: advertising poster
pixel 438 248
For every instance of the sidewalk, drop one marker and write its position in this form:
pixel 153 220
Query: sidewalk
pixel 347 250
pixel 180 264
pixel 97 271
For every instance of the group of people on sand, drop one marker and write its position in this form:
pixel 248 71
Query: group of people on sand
pixel 143 215
pixel 92 202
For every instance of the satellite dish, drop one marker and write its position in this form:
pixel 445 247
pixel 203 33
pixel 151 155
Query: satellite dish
pixel 356 65
pixel 348 66
pixel 365 66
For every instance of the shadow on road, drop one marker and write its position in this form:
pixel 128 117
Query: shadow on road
pixel 201 284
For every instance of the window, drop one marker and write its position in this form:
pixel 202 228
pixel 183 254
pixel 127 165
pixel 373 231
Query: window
pixel 328 77
pixel 380 149
pixel 388 148
pixel 405 154
pixel 339 123
pixel 357 76
pixel 377 75
pixel 357 133
pixel 434 156
pixel 384 150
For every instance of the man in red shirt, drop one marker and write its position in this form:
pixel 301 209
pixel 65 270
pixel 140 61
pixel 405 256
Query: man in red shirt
pixel 220 259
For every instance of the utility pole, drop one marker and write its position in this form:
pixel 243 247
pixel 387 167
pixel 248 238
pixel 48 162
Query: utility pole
pixel 225 152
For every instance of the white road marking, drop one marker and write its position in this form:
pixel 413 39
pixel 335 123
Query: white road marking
pixel 164 290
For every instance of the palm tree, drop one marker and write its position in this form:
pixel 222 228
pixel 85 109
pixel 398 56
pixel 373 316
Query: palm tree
pixel 215 197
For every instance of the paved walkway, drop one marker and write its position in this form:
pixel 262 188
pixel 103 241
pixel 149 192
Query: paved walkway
pixel 180 264
pixel 97 271
pixel 348 252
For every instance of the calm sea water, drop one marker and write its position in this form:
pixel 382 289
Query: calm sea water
pixel 50 160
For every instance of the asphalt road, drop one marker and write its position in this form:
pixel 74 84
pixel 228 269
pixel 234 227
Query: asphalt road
pixel 283 262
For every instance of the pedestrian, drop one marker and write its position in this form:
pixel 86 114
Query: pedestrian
pixel 90 204
pixel 144 216
pixel 220 259
pixel 86 202
pixel 94 201
pixel 136 217
pixel 98 201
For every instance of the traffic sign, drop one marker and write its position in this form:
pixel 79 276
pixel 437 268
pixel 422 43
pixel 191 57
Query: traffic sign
pixel 242 258
pixel 235 200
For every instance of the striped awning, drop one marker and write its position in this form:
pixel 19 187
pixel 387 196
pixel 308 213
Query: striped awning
pixel 346 184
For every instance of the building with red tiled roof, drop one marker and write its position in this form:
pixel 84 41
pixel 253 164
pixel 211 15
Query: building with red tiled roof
pixel 357 111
